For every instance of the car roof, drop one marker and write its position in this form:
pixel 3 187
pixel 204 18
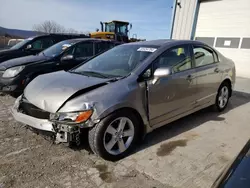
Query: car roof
pixel 164 42
pixel 76 40
pixel 59 35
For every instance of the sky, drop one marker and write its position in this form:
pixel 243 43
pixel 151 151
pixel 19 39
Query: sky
pixel 151 19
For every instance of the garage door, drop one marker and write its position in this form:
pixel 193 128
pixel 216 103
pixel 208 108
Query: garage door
pixel 225 24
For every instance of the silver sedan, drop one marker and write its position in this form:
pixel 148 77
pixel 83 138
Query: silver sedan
pixel 126 92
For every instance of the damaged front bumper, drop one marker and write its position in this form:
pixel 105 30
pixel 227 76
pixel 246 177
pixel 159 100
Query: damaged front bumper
pixel 62 133
pixel 36 123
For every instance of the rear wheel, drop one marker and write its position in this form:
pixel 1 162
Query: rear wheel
pixel 222 97
pixel 115 136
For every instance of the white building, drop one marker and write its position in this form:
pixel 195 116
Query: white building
pixel 223 24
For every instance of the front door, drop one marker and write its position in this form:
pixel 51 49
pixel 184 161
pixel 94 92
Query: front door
pixel 81 52
pixel 175 94
pixel 39 45
pixel 208 74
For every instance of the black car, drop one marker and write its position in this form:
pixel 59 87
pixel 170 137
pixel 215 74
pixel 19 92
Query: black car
pixel 34 45
pixel 16 73
pixel 237 173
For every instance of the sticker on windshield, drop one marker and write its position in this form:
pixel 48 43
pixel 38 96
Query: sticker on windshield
pixel 65 46
pixel 143 49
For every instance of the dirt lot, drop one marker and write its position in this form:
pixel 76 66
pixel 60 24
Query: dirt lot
pixel 188 153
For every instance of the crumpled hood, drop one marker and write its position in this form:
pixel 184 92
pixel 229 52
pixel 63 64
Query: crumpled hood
pixel 23 60
pixel 50 91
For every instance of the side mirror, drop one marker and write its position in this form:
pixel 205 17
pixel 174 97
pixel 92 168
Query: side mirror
pixel 130 26
pixel 162 72
pixel 29 46
pixel 67 58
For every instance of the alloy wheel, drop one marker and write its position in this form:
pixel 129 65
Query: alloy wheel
pixel 223 97
pixel 118 135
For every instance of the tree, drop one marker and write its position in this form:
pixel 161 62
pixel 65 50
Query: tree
pixel 85 32
pixel 70 30
pixel 49 27
pixel 53 27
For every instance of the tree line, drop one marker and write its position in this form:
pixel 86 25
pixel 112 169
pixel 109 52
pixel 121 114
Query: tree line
pixel 50 26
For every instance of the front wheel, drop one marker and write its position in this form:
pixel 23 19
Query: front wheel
pixel 114 136
pixel 222 97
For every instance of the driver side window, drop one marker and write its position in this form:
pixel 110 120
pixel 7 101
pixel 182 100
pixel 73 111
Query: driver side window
pixel 37 45
pixel 178 58
pixel 42 43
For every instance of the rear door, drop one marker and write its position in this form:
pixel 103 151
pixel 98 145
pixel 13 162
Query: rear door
pixel 175 94
pixel 208 75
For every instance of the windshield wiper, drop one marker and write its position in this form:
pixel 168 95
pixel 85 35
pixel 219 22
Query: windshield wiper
pixel 91 73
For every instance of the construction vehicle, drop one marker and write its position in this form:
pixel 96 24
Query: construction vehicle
pixel 114 30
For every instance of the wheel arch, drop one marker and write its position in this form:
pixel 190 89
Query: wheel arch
pixel 229 82
pixel 143 124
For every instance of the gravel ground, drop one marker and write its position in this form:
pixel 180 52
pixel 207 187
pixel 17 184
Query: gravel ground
pixel 29 160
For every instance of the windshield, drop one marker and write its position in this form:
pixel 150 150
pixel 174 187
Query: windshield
pixel 110 27
pixel 117 62
pixel 57 49
pixel 20 44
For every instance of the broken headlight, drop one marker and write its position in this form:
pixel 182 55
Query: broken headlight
pixel 71 117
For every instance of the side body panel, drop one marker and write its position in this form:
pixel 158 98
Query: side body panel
pixel 171 96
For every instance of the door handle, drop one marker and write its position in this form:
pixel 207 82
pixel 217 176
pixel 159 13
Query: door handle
pixel 216 70
pixel 189 77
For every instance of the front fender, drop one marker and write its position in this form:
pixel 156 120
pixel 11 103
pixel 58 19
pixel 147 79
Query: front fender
pixel 110 98
pixel 102 114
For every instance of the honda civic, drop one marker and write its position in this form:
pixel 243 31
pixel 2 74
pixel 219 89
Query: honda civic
pixel 126 92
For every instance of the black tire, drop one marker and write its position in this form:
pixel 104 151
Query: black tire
pixel 15 94
pixel 96 135
pixel 217 106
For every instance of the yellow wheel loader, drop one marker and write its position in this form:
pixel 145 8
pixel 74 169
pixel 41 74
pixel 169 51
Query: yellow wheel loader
pixel 114 30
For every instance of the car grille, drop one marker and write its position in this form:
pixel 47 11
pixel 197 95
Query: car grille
pixel 31 110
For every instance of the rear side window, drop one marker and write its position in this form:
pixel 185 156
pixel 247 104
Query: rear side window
pixel 203 56
pixel 100 47
pixel 47 42
pixel 103 46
